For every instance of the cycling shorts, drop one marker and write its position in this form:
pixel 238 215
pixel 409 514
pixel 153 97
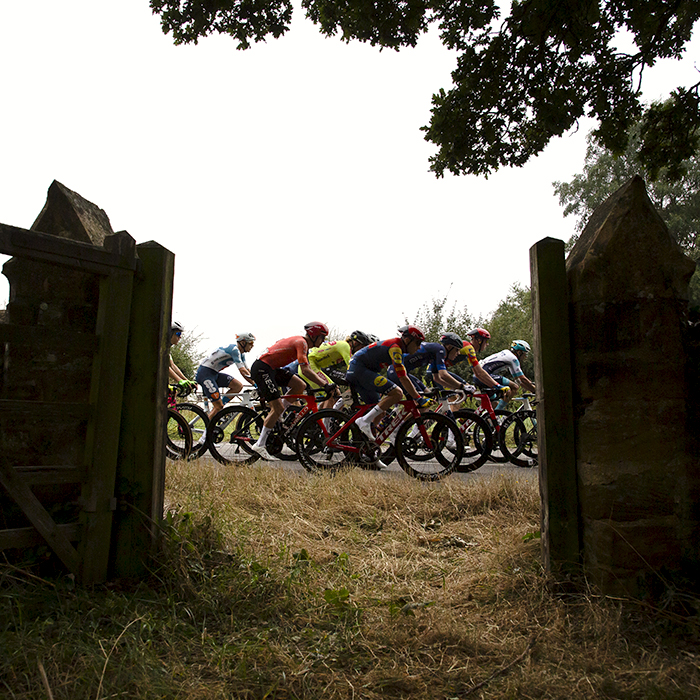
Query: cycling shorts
pixel 211 380
pixel 368 384
pixel 269 380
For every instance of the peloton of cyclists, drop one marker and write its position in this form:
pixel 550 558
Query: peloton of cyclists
pixel 269 372
pixel 211 376
pixel 509 361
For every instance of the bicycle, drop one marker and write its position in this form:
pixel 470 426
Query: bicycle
pixel 494 418
pixel 196 418
pixel 178 436
pixel 428 445
pixel 519 434
pixel 477 432
pixel 233 430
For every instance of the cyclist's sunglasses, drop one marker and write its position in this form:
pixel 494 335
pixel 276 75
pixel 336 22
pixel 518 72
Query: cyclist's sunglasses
pixel 178 333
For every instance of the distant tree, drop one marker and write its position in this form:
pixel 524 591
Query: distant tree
pixel 676 198
pixel 187 354
pixel 435 318
pixel 521 78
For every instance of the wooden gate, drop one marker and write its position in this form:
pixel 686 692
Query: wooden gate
pixel 63 492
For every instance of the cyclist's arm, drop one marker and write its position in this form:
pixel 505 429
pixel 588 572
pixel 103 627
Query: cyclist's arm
pixel 315 377
pixel 483 376
pixel 527 384
pixel 397 360
pixel 445 379
pixel 174 372
pixel 246 374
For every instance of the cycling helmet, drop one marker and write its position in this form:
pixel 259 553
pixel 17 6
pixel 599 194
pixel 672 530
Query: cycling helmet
pixel 360 337
pixel 520 345
pixel 480 332
pixel 373 338
pixel 176 327
pixel 245 338
pixel 451 340
pixel 412 332
pixel 315 329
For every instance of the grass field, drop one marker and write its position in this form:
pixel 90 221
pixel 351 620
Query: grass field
pixel 274 584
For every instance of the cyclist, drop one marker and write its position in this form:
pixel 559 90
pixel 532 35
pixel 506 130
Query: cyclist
pixel 435 356
pixel 478 341
pixel 175 374
pixel 332 360
pixel 509 361
pixel 364 375
pixel 270 373
pixel 211 376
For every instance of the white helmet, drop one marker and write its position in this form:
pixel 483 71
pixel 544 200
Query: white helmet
pixel 520 345
pixel 245 338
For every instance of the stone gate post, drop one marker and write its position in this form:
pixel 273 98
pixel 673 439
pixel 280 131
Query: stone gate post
pixel 638 481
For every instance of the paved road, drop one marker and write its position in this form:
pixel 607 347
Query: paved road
pixel 489 469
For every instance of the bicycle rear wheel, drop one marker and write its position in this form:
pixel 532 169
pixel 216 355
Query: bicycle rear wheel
pixel 478 439
pixel 231 433
pixel 312 435
pixel 519 438
pixel 444 450
pixel 198 421
pixel 178 436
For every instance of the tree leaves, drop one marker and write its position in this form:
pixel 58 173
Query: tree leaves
pixel 517 84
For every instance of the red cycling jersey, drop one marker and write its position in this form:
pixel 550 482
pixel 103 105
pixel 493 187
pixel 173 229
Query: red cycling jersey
pixel 285 351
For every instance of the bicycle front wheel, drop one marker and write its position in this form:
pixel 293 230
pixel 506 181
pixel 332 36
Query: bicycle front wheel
pixel 178 436
pixel 519 438
pixel 315 452
pixel 231 433
pixel 198 421
pixel 429 447
pixel 478 439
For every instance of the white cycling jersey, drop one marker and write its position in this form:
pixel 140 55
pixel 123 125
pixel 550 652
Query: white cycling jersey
pixel 502 361
pixel 225 357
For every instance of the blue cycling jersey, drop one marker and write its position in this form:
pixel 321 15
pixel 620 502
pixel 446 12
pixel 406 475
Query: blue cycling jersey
pixel 432 354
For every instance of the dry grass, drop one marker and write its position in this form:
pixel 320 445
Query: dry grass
pixel 274 584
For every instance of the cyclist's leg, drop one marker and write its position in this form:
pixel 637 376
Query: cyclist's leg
pixel 265 377
pixel 208 379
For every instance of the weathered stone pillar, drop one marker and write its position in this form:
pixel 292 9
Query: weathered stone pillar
pixel 638 480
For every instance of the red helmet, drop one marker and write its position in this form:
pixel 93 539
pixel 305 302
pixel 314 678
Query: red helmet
pixel 412 332
pixel 316 328
pixel 480 332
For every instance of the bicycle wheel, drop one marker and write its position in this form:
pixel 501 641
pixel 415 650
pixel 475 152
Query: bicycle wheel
pixel 444 450
pixel 496 453
pixel 478 439
pixel 231 433
pixel 178 436
pixel 198 421
pixel 519 438
pixel 312 435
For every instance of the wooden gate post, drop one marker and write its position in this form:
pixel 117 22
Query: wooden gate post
pixel 141 469
pixel 555 422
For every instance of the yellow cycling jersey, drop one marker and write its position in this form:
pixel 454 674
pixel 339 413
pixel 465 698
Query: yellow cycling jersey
pixel 335 352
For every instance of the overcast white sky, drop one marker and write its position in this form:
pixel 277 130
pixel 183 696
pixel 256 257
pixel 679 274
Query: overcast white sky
pixel 290 180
